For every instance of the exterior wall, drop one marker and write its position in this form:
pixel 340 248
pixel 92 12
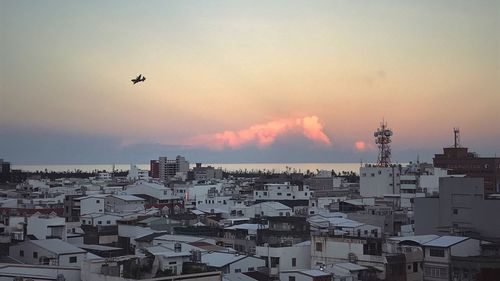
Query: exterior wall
pixel 42 227
pixel 38 273
pixel 377 181
pixel 467 248
pixel 300 252
pixel 99 220
pixel 246 264
pixel 286 191
pixel 29 249
pixel 461 206
pixel 92 204
pixel 114 204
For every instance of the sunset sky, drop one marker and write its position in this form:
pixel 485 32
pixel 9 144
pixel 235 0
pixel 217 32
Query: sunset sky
pixel 237 81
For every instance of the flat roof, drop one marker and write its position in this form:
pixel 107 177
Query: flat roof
pixel 57 246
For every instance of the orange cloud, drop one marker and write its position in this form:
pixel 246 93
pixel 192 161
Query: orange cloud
pixel 265 134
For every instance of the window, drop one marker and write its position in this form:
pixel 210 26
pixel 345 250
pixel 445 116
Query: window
pixel 172 262
pixel 98 201
pixel 72 259
pixel 108 222
pixel 436 253
pixel 275 261
pixel 83 221
pixel 237 270
pixel 288 194
pixel 415 267
pixel 294 262
pixel 35 255
pixel 319 247
pixel 265 193
pixel 455 211
pixel 21 253
pixel 291 278
pixel 279 194
pixel 99 222
pixel 281 214
pixel 251 269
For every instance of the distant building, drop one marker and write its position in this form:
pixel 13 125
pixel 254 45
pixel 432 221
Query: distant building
pixel 137 174
pixel 170 168
pixel 459 160
pixel 4 171
pixel 154 169
pixel 200 173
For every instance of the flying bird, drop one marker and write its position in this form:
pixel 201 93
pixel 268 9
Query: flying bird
pixel 139 78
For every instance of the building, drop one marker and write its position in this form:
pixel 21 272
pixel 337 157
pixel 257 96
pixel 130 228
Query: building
pixel 170 168
pixel 4 171
pixel 459 160
pixel 123 203
pixel 460 208
pixel 137 174
pixel 231 262
pixel 154 169
pixel 281 258
pixel 46 226
pixel 200 173
pixel 48 252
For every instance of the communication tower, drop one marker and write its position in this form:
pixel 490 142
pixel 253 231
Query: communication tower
pixel 383 140
pixel 456 132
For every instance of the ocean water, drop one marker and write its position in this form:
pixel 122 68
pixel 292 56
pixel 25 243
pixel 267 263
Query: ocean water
pixel 277 167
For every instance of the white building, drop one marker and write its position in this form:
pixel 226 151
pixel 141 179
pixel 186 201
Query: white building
pixel 231 262
pixel 135 173
pixel 279 259
pixel 375 181
pixel 48 252
pixel 92 204
pixel 123 203
pixel 282 191
pixel 46 226
pixel 268 209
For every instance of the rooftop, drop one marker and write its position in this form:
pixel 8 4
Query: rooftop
pixel 445 241
pixel 57 246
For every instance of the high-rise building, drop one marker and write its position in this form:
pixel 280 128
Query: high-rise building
pixel 154 169
pixel 459 161
pixel 4 171
pixel 169 168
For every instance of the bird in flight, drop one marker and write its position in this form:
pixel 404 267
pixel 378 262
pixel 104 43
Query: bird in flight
pixel 139 78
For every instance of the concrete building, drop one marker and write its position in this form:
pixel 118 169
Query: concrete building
pixel 92 204
pixel 46 226
pixel 4 171
pixel 123 203
pixel 285 258
pixel 48 252
pixel 201 173
pixel 375 181
pixel 169 168
pixel 135 173
pixel 459 160
pixel 231 262
pixel 460 209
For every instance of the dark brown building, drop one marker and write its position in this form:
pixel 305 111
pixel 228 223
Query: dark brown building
pixel 460 161
pixel 154 169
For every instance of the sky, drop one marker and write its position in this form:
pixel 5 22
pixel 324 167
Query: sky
pixel 246 81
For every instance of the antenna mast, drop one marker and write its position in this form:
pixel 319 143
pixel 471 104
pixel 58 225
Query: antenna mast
pixel 456 132
pixel 383 139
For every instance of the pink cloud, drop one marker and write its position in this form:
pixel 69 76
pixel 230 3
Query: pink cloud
pixel 360 145
pixel 263 135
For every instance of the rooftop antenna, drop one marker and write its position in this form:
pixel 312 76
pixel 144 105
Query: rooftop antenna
pixel 383 139
pixel 456 132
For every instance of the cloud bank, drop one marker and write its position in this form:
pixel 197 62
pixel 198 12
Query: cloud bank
pixel 263 135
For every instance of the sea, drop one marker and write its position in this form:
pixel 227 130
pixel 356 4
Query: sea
pixel 249 167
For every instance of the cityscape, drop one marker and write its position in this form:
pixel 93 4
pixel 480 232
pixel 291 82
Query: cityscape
pixel 250 140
